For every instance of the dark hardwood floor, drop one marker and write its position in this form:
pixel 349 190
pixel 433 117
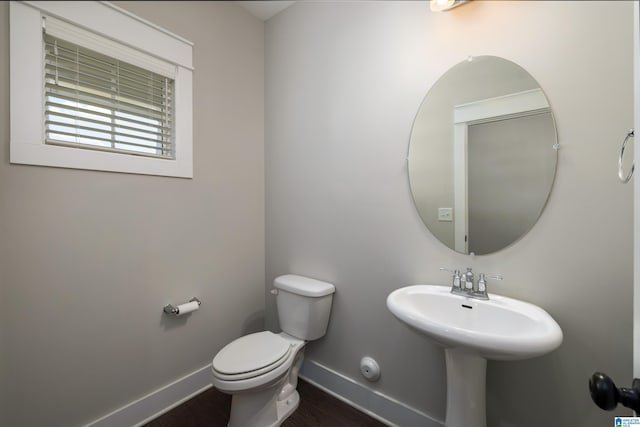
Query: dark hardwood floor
pixel 317 409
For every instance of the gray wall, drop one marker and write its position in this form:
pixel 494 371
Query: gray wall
pixel 88 259
pixel 343 83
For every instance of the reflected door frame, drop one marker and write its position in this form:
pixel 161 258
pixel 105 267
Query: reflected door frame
pixel 504 107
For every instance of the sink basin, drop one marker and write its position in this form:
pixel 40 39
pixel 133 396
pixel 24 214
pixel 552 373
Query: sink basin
pixel 472 331
pixel 500 328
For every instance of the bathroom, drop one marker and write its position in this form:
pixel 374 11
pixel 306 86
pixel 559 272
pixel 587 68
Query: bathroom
pixel 301 127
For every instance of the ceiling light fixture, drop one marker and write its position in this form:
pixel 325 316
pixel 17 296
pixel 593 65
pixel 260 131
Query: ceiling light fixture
pixel 442 5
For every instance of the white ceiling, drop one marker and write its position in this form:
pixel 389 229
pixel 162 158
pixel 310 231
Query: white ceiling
pixel 265 9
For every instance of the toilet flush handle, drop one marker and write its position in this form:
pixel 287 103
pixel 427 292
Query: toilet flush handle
pixel 273 292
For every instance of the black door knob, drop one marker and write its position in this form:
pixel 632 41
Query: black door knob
pixel 606 395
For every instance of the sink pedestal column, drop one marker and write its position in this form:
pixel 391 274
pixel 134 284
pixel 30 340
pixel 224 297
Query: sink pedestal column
pixel 466 383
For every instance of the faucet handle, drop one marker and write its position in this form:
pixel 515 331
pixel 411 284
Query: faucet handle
pixel 482 282
pixel 456 273
pixel 456 276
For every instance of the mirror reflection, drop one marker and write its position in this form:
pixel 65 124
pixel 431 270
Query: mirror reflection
pixel 482 155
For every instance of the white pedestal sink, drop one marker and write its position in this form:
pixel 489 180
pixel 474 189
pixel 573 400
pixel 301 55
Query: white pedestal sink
pixel 472 331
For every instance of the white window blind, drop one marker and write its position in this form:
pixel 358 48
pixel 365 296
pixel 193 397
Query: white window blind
pixel 100 102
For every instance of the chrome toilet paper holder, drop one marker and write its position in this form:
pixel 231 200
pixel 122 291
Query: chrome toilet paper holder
pixel 173 310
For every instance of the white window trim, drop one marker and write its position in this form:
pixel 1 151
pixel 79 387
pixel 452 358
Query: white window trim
pixel 27 96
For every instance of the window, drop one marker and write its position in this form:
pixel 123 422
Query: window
pixel 100 99
pixel 98 102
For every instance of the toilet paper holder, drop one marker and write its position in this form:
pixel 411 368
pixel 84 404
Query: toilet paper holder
pixel 173 310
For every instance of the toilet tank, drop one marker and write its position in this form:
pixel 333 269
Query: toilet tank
pixel 304 305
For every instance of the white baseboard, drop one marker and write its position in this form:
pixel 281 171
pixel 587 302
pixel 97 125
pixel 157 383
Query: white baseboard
pixel 158 402
pixel 383 408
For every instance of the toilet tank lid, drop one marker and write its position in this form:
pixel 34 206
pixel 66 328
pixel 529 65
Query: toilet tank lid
pixel 304 286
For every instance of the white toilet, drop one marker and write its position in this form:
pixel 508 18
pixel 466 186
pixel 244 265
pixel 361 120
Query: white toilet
pixel 260 370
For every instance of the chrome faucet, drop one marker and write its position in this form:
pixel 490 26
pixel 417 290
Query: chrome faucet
pixel 468 280
pixel 464 284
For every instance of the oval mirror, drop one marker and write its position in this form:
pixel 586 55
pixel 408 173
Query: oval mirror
pixel 482 155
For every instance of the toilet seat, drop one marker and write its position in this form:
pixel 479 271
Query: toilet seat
pixel 251 356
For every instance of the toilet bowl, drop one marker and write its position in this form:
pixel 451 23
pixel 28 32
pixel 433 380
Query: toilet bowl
pixel 260 370
pixel 263 382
